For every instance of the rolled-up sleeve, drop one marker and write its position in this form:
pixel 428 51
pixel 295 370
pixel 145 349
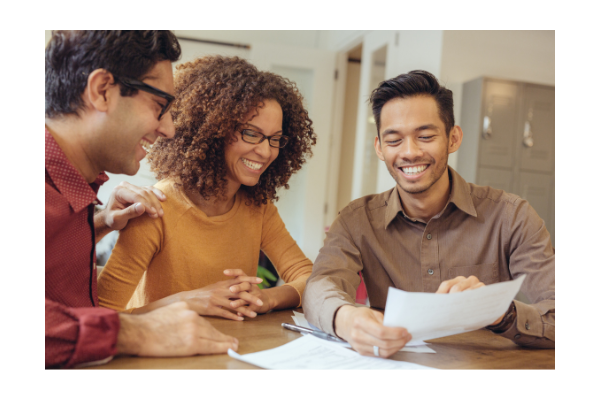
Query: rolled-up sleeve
pixel 76 336
pixel 334 279
pixel 530 252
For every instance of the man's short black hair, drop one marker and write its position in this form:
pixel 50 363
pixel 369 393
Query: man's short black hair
pixel 72 55
pixel 415 83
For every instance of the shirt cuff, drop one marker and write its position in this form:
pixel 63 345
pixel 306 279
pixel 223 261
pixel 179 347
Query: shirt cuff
pixel 297 290
pixel 97 336
pixel 328 312
pixel 527 327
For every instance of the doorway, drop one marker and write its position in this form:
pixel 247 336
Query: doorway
pixel 350 109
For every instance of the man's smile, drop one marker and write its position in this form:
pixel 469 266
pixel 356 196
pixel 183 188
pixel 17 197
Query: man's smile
pixel 145 145
pixel 413 171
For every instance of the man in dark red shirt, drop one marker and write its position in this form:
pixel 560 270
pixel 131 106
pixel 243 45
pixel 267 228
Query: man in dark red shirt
pixel 107 95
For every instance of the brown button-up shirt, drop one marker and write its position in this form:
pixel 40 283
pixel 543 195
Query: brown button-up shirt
pixel 481 231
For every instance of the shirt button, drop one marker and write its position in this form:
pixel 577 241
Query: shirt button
pixel 527 325
pixel 517 336
pixel 430 271
pixel 429 236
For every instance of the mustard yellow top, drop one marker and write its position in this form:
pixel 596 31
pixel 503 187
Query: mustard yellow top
pixel 186 249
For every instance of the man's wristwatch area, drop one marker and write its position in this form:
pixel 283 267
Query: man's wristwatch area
pixel 507 321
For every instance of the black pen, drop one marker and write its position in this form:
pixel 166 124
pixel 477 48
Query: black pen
pixel 319 334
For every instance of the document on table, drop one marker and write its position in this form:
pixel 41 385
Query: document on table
pixel 309 352
pixel 429 315
pixel 412 347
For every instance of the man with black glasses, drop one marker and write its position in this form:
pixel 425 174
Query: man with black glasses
pixel 107 97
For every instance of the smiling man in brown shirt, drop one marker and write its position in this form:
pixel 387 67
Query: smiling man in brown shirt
pixel 433 232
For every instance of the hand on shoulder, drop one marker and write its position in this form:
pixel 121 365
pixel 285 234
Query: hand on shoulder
pixel 128 201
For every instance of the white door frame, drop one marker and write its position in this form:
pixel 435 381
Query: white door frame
pixel 372 42
pixel 322 63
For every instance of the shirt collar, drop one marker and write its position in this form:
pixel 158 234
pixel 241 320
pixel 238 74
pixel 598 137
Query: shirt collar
pixel 460 196
pixel 394 206
pixel 68 180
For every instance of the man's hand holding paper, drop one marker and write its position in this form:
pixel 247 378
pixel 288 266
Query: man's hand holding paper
pixel 363 328
pixel 460 284
pixel 429 316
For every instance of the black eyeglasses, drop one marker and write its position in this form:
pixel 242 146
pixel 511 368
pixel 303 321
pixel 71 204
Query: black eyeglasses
pixel 277 141
pixel 135 84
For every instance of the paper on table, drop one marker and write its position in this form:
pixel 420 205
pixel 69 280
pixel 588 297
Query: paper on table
pixel 309 352
pixel 301 320
pixel 412 347
pixel 429 315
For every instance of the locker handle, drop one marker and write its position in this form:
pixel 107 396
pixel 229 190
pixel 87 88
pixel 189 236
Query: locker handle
pixel 487 127
pixel 528 135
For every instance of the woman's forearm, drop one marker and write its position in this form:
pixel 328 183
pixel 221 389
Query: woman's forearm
pixel 282 297
pixel 165 301
pixel 279 298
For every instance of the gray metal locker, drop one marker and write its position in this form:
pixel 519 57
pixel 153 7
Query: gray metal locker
pixel 536 129
pixel 509 140
pixel 496 178
pixel 499 124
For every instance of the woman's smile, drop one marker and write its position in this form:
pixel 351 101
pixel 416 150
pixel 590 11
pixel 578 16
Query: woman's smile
pixel 252 165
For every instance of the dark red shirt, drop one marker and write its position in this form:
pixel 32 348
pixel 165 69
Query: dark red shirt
pixel 77 330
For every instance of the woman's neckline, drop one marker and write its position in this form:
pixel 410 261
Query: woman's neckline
pixel 220 214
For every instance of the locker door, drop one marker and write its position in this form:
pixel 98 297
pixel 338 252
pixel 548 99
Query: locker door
pixel 498 126
pixel 538 190
pixel 535 131
pixel 496 178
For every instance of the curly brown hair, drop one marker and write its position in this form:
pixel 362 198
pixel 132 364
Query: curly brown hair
pixel 214 95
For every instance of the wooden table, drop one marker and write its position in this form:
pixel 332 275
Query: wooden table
pixel 473 350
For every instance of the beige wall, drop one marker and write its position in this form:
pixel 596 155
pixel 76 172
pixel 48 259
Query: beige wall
pixel 48 36
pixel 290 38
pixel 517 55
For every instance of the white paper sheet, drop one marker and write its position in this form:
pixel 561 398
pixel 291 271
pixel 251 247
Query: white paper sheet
pixel 301 320
pixel 309 352
pixel 429 315
pixel 417 346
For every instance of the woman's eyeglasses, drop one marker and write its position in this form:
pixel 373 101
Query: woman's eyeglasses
pixel 135 84
pixel 277 141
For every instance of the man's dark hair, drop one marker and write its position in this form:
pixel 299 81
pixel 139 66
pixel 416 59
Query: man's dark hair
pixel 72 55
pixel 415 83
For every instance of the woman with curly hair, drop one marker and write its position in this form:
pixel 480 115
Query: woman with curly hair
pixel 240 135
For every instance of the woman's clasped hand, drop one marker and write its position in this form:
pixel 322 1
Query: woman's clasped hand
pixel 232 298
pixel 247 293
